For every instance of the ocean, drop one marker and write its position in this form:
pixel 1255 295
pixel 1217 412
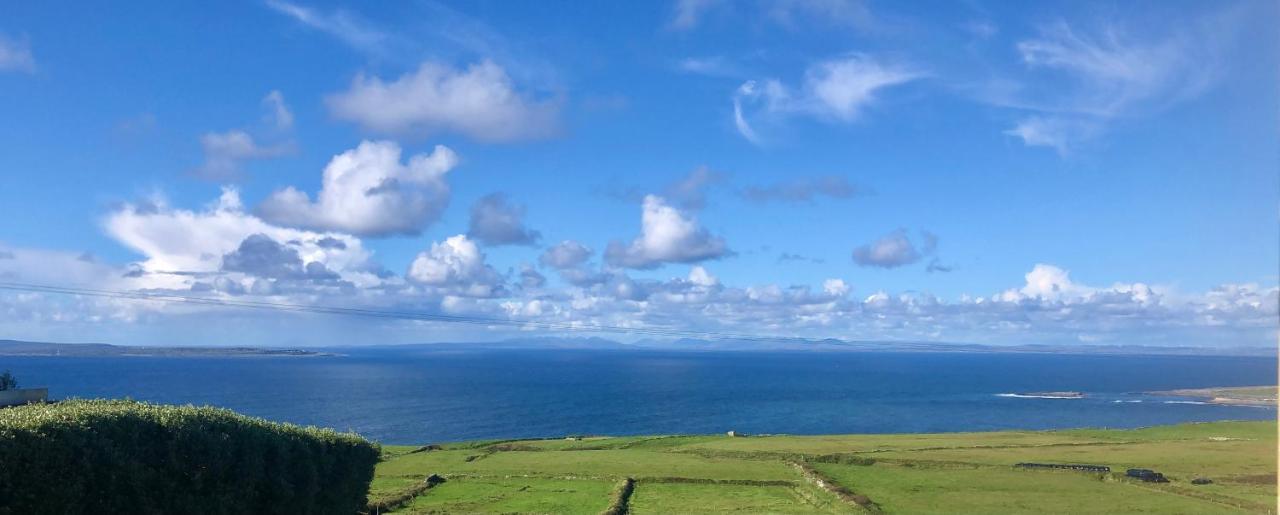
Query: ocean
pixel 424 394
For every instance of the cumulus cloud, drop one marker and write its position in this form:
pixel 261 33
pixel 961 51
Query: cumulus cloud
pixel 261 256
pixel 494 221
pixel 666 236
pixel 457 266
pixel 837 90
pixel 15 55
pixel 369 192
pixel 1047 306
pixel 178 244
pixel 835 287
pixel 803 190
pixel 894 250
pixel 530 278
pixel 226 152
pixel 570 259
pixel 936 266
pixel 481 102
pixel 566 254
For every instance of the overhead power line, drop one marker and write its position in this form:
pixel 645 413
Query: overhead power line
pixel 380 313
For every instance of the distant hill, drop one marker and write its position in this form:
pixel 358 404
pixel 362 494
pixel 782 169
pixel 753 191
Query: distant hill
pixel 25 348
pixel 22 348
pixel 832 345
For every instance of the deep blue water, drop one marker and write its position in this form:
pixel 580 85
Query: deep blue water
pixel 420 395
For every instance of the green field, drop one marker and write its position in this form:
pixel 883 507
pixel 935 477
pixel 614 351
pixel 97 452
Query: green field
pixel 914 473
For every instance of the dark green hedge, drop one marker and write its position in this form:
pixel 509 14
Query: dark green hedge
pixel 104 456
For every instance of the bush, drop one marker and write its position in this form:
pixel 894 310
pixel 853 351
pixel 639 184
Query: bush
pixel 102 456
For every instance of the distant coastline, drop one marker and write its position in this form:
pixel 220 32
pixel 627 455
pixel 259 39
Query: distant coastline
pixel 22 348
pixel 1234 396
pixel 830 345
pixel 28 348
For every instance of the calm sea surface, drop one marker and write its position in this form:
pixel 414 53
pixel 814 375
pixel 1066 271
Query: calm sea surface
pixel 417 395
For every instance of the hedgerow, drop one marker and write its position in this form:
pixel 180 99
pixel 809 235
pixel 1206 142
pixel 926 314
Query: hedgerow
pixel 111 456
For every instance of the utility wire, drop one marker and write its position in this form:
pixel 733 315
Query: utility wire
pixel 386 314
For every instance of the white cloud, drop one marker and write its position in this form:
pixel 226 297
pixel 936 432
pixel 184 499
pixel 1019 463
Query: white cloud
pixel 456 266
pixel 1112 72
pixel 177 243
pixel 345 26
pixel 894 250
pixel 1047 307
pixel 1053 132
pixel 566 254
pixel 835 287
pixel 15 55
pixel 1047 282
pixel 480 102
pixel 838 90
pixel 746 90
pixel 531 278
pixel 494 221
pixel 666 236
pixel 369 192
pixel 225 152
pixel 569 258
pixel 278 114
pixel 701 277
pixel 842 87
pixel 1079 81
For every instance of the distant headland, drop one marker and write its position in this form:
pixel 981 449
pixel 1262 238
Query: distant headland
pixel 22 348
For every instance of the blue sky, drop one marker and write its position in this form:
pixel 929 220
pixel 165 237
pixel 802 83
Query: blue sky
pixel 865 170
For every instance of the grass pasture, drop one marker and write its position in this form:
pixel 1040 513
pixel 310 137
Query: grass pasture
pixel 931 473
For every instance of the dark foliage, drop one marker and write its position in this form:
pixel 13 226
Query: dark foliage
pixel 104 456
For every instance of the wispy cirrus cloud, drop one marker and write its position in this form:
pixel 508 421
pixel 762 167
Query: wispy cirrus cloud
pixel 1078 80
pixel 835 91
pixel 347 27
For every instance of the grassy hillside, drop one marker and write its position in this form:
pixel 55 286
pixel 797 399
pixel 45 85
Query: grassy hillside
pixel 933 473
